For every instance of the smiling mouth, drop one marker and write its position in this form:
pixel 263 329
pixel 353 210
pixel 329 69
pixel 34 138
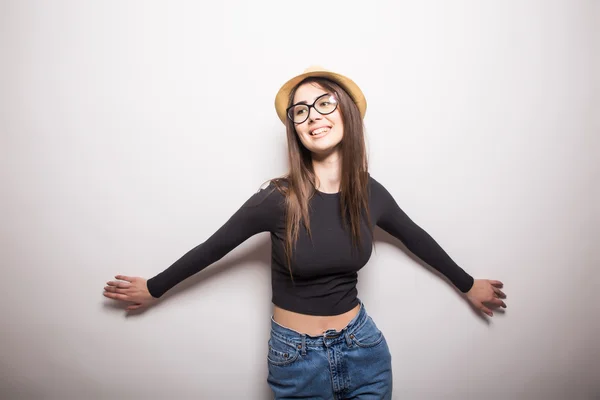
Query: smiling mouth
pixel 320 132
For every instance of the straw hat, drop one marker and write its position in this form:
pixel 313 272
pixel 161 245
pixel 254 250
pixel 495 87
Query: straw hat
pixel 282 98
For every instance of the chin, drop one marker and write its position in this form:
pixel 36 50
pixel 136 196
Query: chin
pixel 324 150
pixel 322 146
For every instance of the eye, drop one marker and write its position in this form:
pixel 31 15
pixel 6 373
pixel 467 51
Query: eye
pixel 299 111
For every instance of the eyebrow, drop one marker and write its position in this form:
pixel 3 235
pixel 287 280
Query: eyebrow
pixel 305 102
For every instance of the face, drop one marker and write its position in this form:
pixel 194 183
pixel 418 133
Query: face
pixel 321 134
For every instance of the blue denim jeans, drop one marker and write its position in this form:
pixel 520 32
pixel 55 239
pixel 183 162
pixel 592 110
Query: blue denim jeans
pixel 354 363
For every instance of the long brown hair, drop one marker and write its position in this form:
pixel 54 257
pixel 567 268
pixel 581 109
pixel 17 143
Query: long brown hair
pixel 299 184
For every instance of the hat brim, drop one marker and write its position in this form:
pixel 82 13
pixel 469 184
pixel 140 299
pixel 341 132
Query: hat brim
pixel 282 97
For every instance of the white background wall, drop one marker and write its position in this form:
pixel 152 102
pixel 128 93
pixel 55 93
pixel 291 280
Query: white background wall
pixel 131 131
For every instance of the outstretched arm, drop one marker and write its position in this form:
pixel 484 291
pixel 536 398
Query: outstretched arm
pixel 393 220
pixel 258 214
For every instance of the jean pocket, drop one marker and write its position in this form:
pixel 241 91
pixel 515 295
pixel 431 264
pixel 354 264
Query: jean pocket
pixel 281 352
pixel 368 335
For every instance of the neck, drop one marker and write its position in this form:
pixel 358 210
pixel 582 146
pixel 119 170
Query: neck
pixel 328 170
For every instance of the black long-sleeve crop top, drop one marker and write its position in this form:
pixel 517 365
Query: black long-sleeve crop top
pixel 324 269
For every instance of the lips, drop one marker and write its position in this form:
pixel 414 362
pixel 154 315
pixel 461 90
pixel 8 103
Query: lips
pixel 319 130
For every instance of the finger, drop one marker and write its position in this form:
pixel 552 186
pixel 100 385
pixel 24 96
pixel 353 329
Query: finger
pixel 499 292
pixel 114 289
pixel 124 278
pixel 116 296
pixel 496 283
pixel 134 307
pixel 123 285
pixel 497 302
pixel 486 310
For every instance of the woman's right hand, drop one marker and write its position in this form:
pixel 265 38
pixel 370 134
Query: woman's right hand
pixel 133 289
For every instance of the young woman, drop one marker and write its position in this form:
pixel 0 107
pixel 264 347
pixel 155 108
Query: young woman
pixel 321 215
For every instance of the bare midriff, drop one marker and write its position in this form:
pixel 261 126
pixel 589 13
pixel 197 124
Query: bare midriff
pixel 313 325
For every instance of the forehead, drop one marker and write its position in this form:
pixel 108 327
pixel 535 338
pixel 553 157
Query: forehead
pixel 308 92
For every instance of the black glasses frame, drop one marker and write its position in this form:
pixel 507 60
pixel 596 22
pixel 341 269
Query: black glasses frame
pixel 291 118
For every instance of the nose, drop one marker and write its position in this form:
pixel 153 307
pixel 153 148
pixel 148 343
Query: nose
pixel 313 114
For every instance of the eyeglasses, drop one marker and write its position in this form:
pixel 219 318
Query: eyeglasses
pixel 324 104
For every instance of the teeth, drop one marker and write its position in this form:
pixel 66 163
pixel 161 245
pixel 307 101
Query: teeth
pixel 320 130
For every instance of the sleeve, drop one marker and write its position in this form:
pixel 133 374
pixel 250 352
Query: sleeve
pixel 259 213
pixel 393 220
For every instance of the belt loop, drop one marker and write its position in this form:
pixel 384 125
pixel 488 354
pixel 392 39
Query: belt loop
pixel 303 344
pixel 347 336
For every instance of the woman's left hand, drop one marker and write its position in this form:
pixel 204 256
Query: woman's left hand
pixel 486 291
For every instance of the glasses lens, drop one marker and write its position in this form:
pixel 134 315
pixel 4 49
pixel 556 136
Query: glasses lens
pixel 298 113
pixel 326 105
